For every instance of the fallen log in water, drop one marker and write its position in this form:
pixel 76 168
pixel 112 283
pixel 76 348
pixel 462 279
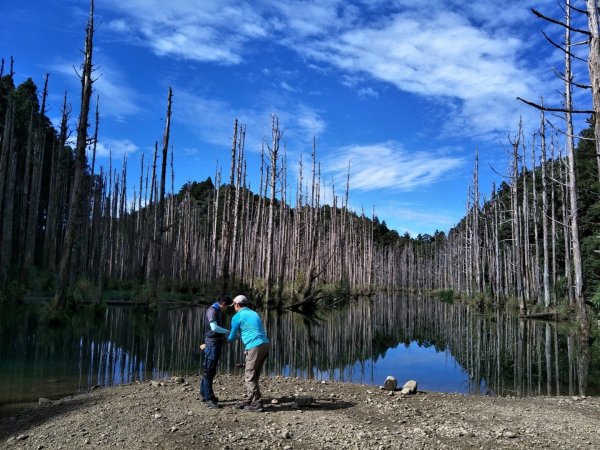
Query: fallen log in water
pixel 542 315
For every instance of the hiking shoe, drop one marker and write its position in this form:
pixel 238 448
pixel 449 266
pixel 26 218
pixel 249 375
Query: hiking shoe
pixel 242 405
pixel 214 398
pixel 211 404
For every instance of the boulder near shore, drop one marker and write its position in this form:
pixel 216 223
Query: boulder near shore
pixel 300 414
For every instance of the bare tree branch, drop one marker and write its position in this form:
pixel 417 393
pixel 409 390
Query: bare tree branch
pixel 574 8
pixel 562 77
pixel 563 49
pixel 545 108
pixel 558 130
pixel 558 22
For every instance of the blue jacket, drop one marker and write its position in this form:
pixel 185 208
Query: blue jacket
pixel 249 324
pixel 213 313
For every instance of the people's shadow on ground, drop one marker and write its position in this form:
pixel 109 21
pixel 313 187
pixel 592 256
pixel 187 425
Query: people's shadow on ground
pixel 288 405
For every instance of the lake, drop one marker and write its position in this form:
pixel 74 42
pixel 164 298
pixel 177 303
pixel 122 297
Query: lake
pixel 444 347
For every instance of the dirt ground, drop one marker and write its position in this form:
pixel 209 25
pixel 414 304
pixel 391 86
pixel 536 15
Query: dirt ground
pixel 167 414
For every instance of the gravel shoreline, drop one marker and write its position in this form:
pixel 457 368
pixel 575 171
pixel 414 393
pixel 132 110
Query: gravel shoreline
pixel 167 414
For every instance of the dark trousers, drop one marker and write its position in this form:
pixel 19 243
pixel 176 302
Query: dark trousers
pixel 212 354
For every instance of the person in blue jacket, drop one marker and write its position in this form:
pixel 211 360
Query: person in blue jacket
pixel 214 338
pixel 249 325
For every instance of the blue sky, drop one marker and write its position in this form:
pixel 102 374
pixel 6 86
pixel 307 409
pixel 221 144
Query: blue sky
pixel 406 90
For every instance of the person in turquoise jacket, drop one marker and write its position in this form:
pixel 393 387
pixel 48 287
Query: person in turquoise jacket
pixel 249 325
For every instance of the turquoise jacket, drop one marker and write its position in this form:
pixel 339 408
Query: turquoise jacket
pixel 249 324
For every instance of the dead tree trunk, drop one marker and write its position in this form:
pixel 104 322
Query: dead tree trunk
pixel 227 215
pixel 312 229
pixel 273 156
pixel 594 68
pixel 161 202
pixel 475 242
pixel 516 226
pixel 546 271
pixel 55 202
pixel 577 269
pixel 34 199
pixel 8 176
pixel 76 202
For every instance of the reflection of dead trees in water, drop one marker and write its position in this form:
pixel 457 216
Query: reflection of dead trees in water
pixel 528 353
pixel 328 342
pixel 500 353
pixel 583 363
pixel 306 306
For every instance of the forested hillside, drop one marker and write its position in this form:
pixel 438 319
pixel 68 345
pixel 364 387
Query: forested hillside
pixel 70 226
pixel 219 235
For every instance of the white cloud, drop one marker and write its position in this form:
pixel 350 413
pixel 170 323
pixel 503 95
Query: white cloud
pixel 409 217
pixel 308 19
pixel 189 151
pixel 116 96
pixel 440 56
pixel 213 119
pixel 119 26
pixel 118 148
pixel 285 86
pixel 310 122
pixel 465 54
pixel 367 92
pixel 388 166
pixel 206 30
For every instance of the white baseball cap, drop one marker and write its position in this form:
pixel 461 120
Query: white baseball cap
pixel 240 300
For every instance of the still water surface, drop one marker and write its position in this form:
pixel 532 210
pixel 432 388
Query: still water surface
pixel 448 348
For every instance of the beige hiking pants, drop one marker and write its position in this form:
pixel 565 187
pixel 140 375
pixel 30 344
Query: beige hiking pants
pixel 255 359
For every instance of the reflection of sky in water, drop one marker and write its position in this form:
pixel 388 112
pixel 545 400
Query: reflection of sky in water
pixel 432 370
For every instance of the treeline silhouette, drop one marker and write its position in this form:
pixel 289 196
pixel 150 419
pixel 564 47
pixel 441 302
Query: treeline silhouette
pixel 353 253
pixel 69 226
